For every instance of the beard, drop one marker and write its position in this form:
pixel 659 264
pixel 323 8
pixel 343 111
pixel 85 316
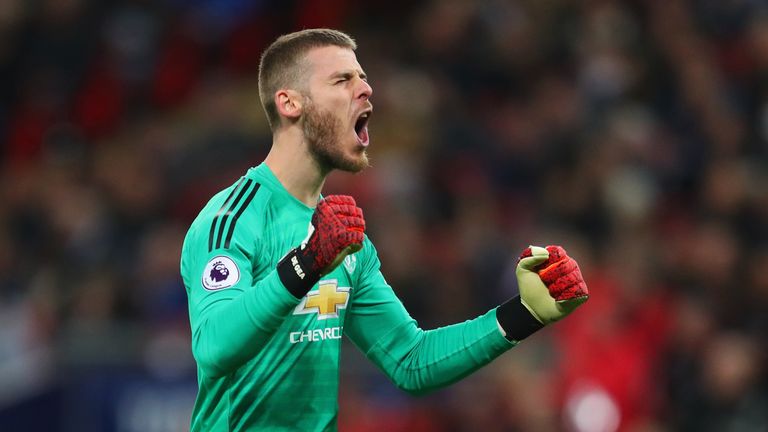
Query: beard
pixel 324 133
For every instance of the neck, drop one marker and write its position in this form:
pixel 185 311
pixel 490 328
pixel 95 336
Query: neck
pixel 295 168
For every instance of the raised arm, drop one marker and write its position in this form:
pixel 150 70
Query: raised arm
pixel 419 361
pixel 233 313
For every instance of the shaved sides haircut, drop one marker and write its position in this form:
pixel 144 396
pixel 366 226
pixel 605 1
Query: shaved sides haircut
pixel 283 64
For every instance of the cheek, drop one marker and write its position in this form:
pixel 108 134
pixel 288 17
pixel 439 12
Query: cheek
pixel 339 105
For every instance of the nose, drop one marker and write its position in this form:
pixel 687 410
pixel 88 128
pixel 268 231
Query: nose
pixel 365 90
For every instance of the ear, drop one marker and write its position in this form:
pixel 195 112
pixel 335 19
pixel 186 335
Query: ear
pixel 289 103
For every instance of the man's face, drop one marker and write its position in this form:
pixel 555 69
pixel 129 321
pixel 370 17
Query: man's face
pixel 336 110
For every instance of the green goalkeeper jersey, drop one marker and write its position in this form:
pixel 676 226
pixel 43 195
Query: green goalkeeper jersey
pixel 269 361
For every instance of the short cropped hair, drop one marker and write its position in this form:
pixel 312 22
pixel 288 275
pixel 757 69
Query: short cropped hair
pixel 283 63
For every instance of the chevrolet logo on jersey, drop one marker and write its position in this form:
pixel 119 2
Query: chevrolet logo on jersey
pixel 326 302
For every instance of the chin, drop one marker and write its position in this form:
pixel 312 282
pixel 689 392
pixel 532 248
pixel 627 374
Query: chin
pixel 356 165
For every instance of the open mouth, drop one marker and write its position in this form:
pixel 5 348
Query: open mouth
pixel 361 128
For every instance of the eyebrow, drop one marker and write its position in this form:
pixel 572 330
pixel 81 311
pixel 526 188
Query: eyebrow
pixel 349 74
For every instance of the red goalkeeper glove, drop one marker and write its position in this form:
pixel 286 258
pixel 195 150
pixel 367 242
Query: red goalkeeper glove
pixel 551 287
pixel 336 231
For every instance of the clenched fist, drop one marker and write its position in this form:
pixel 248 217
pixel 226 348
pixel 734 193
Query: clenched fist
pixel 337 230
pixel 551 284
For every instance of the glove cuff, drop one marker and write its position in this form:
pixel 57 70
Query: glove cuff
pixel 516 320
pixel 297 277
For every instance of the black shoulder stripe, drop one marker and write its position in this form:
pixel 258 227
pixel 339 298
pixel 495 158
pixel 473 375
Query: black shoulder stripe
pixel 221 210
pixel 232 207
pixel 237 215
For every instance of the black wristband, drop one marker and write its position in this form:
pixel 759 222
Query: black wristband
pixel 516 320
pixel 297 277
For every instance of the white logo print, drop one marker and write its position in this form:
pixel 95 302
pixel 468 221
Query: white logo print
pixel 297 267
pixel 220 272
pixel 350 261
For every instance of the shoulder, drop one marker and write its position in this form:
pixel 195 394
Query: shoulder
pixel 368 256
pixel 237 211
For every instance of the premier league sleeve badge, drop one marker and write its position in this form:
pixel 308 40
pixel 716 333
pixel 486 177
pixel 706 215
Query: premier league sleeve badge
pixel 220 272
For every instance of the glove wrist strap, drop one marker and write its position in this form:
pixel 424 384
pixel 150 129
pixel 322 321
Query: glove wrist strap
pixel 516 320
pixel 297 277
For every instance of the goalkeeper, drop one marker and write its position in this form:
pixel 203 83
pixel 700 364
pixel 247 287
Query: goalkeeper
pixel 275 274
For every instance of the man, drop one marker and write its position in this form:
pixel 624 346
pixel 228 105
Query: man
pixel 275 275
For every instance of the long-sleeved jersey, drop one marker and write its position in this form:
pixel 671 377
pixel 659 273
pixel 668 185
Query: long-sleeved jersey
pixel 269 361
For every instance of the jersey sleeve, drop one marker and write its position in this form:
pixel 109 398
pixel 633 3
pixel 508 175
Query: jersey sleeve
pixel 416 360
pixel 233 314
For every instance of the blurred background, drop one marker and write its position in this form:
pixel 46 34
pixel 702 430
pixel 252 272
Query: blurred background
pixel 635 133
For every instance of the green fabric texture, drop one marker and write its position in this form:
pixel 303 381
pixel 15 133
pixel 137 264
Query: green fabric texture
pixel 269 361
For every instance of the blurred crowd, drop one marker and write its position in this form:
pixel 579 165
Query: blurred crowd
pixel 634 133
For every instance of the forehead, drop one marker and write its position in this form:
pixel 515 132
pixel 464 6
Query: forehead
pixel 327 60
